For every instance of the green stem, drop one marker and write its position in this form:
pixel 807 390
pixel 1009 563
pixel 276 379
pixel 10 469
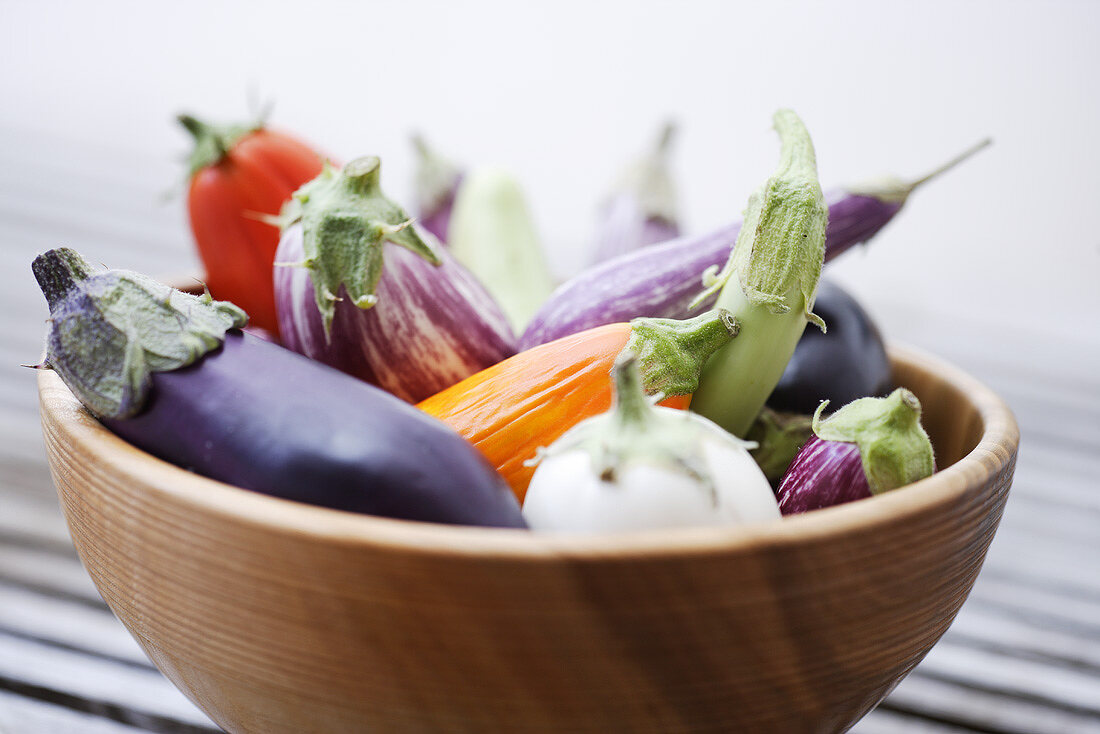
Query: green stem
pixel 212 142
pixel 737 381
pixel 768 285
pixel 632 408
pixel 363 176
pixel 894 448
pixel 951 163
pixel 896 191
pixel 346 220
pixel 110 330
pixel 671 353
pixel 198 128
pixel 59 272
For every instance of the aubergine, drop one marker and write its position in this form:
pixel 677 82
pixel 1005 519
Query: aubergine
pixel 641 208
pixel 359 288
pixel 846 363
pixel 868 447
pixel 172 374
pixel 663 281
pixel 436 182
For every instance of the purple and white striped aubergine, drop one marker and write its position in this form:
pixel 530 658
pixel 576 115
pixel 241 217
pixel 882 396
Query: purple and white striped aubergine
pixel 436 183
pixel 358 289
pixel 641 209
pixel 662 281
pixel 870 446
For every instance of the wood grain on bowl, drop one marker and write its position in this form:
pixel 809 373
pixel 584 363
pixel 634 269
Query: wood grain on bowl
pixel 279 617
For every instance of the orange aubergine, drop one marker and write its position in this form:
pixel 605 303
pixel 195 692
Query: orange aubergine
pixel 239 174
pixel 527 401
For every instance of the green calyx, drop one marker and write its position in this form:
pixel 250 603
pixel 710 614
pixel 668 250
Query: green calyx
pixel 634 430
pixel 893 190
pixel 671 354
pixel 781 246
pixel 776 263
pixel 212 142
pixel 778 438
pixel 346 220
pixel 110 330
pixel 894 448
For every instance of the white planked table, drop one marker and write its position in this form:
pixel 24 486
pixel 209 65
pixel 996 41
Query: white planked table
pixel 1023 657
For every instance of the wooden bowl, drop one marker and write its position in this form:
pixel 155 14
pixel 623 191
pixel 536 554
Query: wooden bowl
pixel 278 617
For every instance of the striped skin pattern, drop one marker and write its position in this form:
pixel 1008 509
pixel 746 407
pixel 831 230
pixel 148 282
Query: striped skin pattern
pixel 823 474
pixel 625 228
pixel 431 327
pixel 662 280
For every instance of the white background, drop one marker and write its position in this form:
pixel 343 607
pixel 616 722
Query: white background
pixel 563 93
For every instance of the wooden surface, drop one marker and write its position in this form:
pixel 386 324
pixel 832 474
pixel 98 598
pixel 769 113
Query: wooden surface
pixel 278 618
pixel 1022 656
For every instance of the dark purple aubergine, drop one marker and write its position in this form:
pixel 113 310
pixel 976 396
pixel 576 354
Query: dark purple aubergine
pixel 870 446
pixel 845 363
pixel 437 181
pixel 173 375
pixel 358 288
pixel 662 281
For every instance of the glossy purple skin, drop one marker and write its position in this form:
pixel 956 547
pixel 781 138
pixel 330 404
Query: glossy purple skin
pixel 431 327
pixel 843 364
pixel 263 418
pixel 624 228
pixel 661 281
pixel 823 474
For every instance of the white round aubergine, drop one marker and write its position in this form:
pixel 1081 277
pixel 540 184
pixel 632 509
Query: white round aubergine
pixel 644 467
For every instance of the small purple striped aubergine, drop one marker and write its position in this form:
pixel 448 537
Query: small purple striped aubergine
pixel 823 474
pixel 431 327
pixel 662 280
pixel 358 288
pixel 868 447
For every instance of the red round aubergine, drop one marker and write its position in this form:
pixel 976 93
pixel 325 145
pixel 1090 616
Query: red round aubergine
pixel 847 362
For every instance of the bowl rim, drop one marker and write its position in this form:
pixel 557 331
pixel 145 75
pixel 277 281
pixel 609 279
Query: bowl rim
pixel 995 450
